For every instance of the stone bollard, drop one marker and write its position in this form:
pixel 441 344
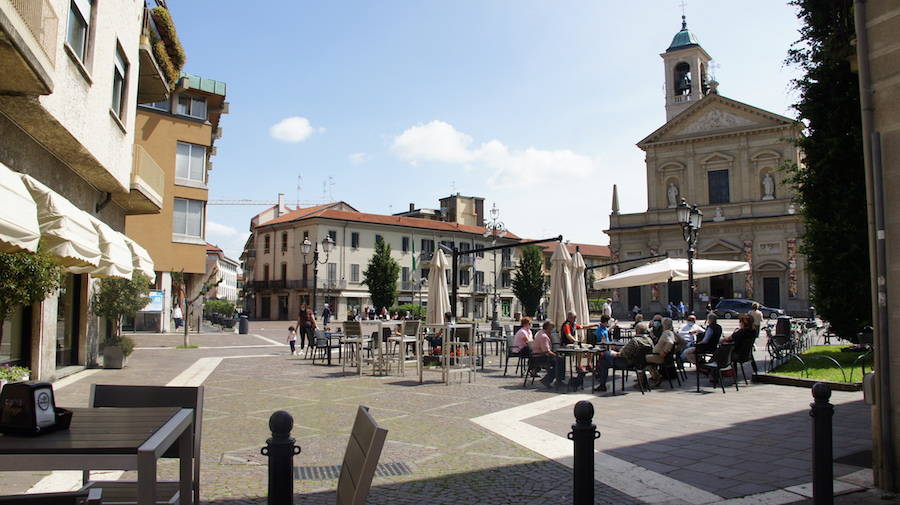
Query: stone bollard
pixel 822 412
pixel 583 434
pixel 280 449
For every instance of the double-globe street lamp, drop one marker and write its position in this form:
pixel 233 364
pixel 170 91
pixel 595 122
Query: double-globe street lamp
pixel 306 247
pixel 690 218
pixel 495 229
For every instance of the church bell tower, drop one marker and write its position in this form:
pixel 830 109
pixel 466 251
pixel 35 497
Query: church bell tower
pixel 686 66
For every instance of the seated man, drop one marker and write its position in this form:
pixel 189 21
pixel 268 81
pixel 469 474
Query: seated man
pixel 709 342
pixel 631 354
pixel 640 326
pixel 601 335
pixel 542 354
pixel 690 330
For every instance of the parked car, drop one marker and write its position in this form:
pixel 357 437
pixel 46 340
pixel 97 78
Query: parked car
pixel 730 308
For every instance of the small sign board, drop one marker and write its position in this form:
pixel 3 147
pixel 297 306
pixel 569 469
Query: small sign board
pixel 156 302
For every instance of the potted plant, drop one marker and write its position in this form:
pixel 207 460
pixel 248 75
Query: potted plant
pixel 115 298
pixel 13 374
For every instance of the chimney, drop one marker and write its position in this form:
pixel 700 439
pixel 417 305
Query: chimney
pixel 412 207
pixel 282 210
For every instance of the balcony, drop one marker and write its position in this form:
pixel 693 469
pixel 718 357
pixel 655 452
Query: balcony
pixel 152 83
pixel 148 182
pixel 411 286
pixel 332 284
pixel 507 264
pixel 466 261
pixel 28 38
pixel 480 288
pixel 425 258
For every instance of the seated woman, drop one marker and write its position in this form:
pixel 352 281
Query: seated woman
pixel 745 332
pixel 668 342
pixel 523 338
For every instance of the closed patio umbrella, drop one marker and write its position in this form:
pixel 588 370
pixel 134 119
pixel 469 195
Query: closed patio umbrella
pixel 438 294
pixel 579 291
pixel 561 300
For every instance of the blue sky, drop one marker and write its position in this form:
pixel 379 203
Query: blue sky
pixel 534 105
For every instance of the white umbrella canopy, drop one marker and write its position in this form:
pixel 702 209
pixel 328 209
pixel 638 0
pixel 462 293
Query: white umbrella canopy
pixel 675 269
pixel 438 294
pixel 579 291
pixel 561 300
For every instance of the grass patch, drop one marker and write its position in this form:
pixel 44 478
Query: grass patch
pixel 187 347
pixel 824 369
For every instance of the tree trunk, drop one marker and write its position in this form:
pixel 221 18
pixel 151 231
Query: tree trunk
pixel 187 319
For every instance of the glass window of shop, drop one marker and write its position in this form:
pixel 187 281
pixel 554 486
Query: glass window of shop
pixel 68 320
pixel 15 338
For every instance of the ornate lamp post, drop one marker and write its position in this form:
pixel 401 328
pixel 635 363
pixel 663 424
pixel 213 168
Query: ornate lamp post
pixel 690 218
pixel 495 229
pixel 306 247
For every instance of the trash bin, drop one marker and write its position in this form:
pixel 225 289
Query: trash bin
pixel 243 325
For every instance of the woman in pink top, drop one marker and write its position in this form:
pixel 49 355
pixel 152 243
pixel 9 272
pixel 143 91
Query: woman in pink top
pixel 523 336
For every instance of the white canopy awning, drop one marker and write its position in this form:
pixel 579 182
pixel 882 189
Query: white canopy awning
pixel 675 269
pixel 66 230
pixel 116 259
pixel 19 229
pixel 141 260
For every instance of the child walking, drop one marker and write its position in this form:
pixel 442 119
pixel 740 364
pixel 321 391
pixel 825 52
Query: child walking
pixel 292 340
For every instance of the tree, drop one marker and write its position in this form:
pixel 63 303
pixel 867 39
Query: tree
pixel 25 278
pixel 116 298
pixel 829 184
pixel 187 304
pixel 528 280
pixel 381 276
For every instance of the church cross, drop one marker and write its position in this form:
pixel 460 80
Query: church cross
pixel 683 4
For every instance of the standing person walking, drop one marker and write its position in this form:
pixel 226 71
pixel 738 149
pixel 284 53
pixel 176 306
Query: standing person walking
pixel 326 315
pixel 306 324
pixel 177 316
pixel 292 340
pixel 757 316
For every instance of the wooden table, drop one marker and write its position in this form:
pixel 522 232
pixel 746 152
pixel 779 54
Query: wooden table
pixel 110 439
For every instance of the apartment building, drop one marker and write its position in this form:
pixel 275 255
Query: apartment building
pixel 279 278
pixel 226 271
pixel 177 135
pixel 71 75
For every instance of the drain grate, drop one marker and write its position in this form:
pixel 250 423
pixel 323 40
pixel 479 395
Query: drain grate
pixel 333 472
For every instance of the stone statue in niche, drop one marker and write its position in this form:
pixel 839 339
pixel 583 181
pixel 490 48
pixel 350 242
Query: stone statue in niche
pixel 672 195
pixel 720 216
pixel 768 183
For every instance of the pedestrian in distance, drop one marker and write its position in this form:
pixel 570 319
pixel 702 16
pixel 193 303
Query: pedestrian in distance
pixel 177 316
pixel 326 315
pixel 292 340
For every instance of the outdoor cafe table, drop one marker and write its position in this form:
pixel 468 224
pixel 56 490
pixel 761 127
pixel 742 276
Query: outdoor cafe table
pixel 110 439
pixel 487 340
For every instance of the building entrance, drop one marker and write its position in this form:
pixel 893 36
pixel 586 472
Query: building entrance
pixel 720 286
pixel 772 292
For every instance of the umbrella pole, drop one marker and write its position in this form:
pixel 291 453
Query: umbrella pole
pixel 691 304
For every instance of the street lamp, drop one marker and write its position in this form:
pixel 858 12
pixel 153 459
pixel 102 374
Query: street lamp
pixel 495 229
pixel 690 218
pixel 306 247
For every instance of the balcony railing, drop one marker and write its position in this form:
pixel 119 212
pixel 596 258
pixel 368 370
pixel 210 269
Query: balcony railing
pixel 507 264
pixel 409 286
pixel 466 261
pixel 425 257
pixel 278 284
pixel 147 189
pixel 480 287
pixel 332 283
pixel 153 86
pixel 42 22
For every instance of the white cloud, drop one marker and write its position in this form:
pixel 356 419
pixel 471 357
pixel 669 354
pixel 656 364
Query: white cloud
pixel 438 141
pixel 359 158
pixel 292 129
pixel 222 230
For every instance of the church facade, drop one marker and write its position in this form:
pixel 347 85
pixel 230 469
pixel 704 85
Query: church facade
pixel 726 157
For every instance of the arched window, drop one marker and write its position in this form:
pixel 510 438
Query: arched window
pixel 682 79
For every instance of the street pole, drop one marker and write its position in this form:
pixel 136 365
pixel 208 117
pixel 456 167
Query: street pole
pixel 691 278
pixel 315 285
pixel 454 268
pixel 495 324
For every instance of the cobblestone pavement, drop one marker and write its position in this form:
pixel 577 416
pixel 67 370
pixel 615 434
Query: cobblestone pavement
pixel 736 438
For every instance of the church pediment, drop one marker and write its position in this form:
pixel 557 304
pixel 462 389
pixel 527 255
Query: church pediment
pixel 721 247
pixel 714 115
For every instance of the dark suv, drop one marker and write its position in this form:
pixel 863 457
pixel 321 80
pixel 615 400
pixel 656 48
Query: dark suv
pixel 733 307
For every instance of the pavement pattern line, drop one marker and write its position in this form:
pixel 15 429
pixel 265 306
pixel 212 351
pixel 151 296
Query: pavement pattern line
pixel 68 480
pixel 269 340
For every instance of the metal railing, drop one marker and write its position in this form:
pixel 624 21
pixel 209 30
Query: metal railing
pixel 146 175
pixel 409 286
pixel 507 264
pixel 480 287
pixel 43 23
pixel 332 283
pixel 466 260
pixel 425 257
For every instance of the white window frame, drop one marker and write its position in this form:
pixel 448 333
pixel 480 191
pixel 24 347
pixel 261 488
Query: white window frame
pixel 189 180
pixel 191 109
pixel 120 83
pixel 354 273
pixel 78 8
pixel 183 234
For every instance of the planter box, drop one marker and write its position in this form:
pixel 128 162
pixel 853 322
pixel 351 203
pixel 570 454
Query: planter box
pixel 113 357
pixel 785 380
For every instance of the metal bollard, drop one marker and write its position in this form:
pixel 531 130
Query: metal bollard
pixel 583 434
pixel 822 412
pixel 280 449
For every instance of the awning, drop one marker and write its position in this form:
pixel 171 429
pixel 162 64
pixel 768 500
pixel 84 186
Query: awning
pixel 354 294
pixel 141 260
pixel 675 269
pixel 115 255
pixel 66 230
pixel 19 229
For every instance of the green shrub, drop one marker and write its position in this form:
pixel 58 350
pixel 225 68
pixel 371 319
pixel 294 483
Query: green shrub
pixel 221 307
pixel 13 373
pixel 165 64
pixel 116 298
pixel 416 311
pixel 167 50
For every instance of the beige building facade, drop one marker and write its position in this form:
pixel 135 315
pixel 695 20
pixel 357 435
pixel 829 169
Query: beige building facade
pixel 724 156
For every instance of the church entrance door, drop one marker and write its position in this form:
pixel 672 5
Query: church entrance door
pixel 720 286
pixel 772 292
pixel 634 297
pixel 676 291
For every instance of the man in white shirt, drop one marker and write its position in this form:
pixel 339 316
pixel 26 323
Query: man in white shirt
pixel 757 316
pixel 690 330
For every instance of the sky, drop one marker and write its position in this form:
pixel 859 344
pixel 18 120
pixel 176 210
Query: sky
pixel 536 106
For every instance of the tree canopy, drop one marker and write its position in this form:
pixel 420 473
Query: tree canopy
pixel 830 183
pixel 528 281
pixel 115 298
pixel 381 276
